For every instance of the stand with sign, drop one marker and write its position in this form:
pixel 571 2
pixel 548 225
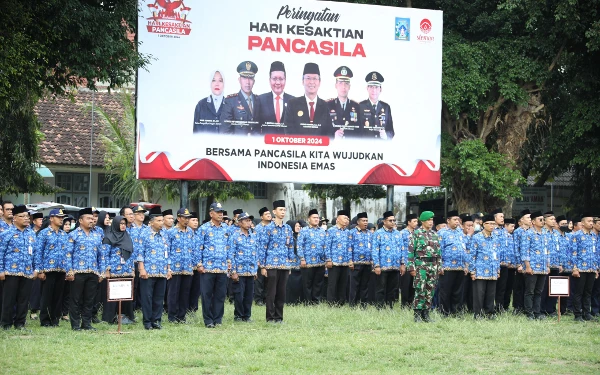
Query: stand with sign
pixel 558 286
pixel 119 290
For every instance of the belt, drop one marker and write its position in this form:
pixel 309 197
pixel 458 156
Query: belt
pixel 429 259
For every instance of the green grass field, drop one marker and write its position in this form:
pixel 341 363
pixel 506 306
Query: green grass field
pixel 313 340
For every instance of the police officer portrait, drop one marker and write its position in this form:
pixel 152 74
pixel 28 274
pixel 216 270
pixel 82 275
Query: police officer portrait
pixel 241 111
pixel 375 116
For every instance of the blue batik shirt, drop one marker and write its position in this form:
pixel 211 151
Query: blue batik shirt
pixel 213 241
pixel 453 249
pixel 17 248
pixel 564 243
pixel 484 261
pixel 405 235
pixel 518 239
pixel 51 250
pixel 4 226
pixel 116 264
pixel 244 253
pixel 181 249
pixel 154 252
pixel 554 251
pixel 311 246
pixel 277 247
pixel 361 243
pixel 534 248
pixel 386 249
pixel 84 252
pixel 135 233
pixel 339 246
pixel 583 247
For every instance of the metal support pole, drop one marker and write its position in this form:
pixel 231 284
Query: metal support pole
pixel 390 198
pixel 551 196
pixel 183 197
pixel 445 202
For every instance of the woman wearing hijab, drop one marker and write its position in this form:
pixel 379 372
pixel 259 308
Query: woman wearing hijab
pixel 294 292
pixel 208 110
pixel 118 263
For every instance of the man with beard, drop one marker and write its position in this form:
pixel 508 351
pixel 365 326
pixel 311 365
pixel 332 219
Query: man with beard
pixel 272 104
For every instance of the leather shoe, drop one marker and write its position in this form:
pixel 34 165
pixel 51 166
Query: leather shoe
pixel 76 328
pixel 89 328
pixel 579 319
pixel 148 328
pixel 95 320
pixel 156 326
pixel 210 325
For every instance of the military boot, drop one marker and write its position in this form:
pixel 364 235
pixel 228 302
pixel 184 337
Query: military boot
pixel 418 317
pixel 426 317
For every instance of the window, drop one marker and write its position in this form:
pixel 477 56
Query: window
pixel 106 198
pixel 76 188
pixel 259 189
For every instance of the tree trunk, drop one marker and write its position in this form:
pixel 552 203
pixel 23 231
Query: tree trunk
pixel 587 188
pixel 209 200
pixel 323 207
pixel 346 206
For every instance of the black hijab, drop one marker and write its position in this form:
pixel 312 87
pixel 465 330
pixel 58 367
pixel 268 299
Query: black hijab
pixel 115 238
pixel 100 223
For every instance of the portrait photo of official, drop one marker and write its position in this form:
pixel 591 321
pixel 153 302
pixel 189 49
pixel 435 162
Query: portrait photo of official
pixel 241 111
pixel 207 116
pixel 375 116
pixel 272 104
pixel 343 112
pixel 308 114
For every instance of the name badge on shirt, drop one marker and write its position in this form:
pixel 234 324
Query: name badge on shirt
pixel 122 260
pixel 494 255
pixel 30 250
pixel 166 254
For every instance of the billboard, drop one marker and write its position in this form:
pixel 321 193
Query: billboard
pixel 289 91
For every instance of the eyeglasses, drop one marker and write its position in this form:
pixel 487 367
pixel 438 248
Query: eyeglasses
pixel 312 79
pixel 391 220
pixel 26 216
pixel 277 79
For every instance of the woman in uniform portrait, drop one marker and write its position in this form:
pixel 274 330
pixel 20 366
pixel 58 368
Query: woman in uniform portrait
pixel 208 110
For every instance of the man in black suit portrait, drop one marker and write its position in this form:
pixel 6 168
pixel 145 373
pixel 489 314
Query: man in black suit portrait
pixel 308 114
pixel 272 104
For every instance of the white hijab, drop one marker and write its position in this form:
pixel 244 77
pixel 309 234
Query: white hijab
pixel 212 76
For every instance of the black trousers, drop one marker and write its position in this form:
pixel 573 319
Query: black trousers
pixel 596 297
pixel 152 295
pixel 567 302
pixel 519 291
pixel 110 311
pixel 214 292
pixel 484 293
pixel 276 288
pixel 51 301
pixel 243 293
pixel 451 291
pixel 259 288
pixel 136 289
pixel 312 282
pixel 387 284
pixel 294 293
pixel 195 291
pixel 35 297
pixel 179 297
pixel 548 304
pixel 534 286
pixel 582 300
pixel 359 284
pixel 66 298
pixel 99 297
pixel 15 300
pixel 510 281
pixel 83 294
pixel 407 290
pixel 338 283
pixel 502 288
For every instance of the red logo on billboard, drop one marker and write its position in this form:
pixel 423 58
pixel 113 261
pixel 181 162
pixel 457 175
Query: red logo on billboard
pixel 425 26
pixel 169 17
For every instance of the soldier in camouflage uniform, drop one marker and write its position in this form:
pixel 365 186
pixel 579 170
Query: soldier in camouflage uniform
pixel 424 264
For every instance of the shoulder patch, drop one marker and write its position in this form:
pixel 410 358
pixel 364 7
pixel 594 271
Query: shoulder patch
pixel 231 95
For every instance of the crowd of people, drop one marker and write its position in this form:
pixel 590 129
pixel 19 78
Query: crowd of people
pixel 462 263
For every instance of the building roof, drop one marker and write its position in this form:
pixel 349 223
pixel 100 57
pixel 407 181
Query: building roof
pixel 563 179
pixel 66 125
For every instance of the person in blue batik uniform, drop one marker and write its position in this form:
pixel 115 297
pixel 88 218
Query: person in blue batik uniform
pixel 556 257
pixel 468 228
pixel 339 259
pixel 214 263
pixel 534 255
pixel 84 262
pixel 388 260
pixel 508 266
pixel 454 265
pixel 311 251
pixel 195 291
pixel 484 267
pixel 7 216
pixel 119 254
pixel 407 288
pixel 519 284
pixel 17 268
pixel 277 249
pixel 51 258
pixel 243 246
pixel 585 267
pixel 564 245
pixel 501 235
pixel 260 283
pixel 181 244
pixel 153 262
pixel 361 258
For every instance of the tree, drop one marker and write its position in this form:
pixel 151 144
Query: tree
pixel 348 193
pixel 48 48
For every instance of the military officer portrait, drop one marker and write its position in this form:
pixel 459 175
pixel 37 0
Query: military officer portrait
pixel 375 116
pixel 308 114
pixel 207 115
pixel 272 104
pixel 240 111
pixel 343 112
